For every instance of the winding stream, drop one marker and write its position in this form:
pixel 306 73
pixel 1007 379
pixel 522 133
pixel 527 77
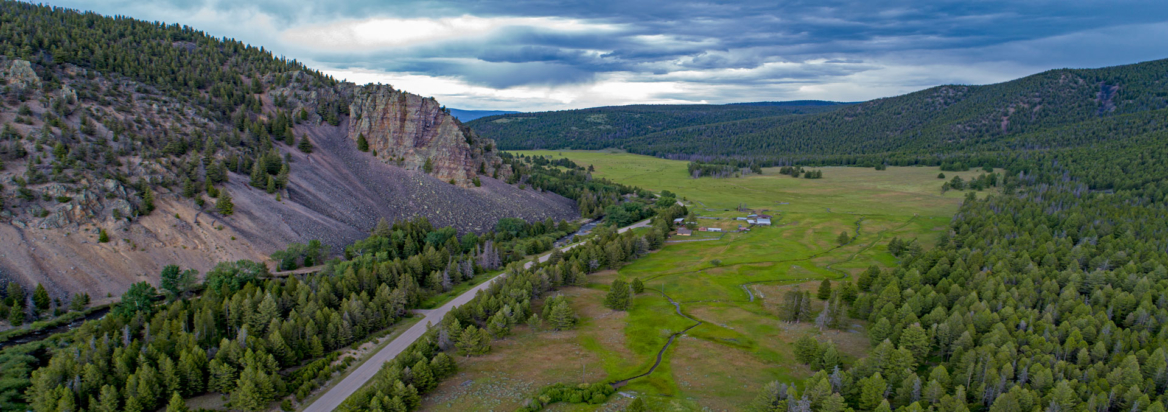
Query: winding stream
pixel 677 307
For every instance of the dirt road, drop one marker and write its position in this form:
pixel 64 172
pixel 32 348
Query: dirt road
pixel 333 398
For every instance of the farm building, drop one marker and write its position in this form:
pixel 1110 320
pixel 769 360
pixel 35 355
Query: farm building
pixel 763 220
pixel 681 231
pixel 702 229
pixel 679 220
pixel 714 229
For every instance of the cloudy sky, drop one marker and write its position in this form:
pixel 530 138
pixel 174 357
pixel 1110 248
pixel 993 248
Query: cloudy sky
pixel 549 55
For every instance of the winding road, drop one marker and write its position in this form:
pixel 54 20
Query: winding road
pixel 334 396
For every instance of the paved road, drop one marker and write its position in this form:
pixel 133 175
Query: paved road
pixel 333 398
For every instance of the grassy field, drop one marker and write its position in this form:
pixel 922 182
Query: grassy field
pixel 731 283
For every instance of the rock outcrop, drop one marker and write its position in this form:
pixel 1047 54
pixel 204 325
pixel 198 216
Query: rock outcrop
pixel 408 130
pixel 18 73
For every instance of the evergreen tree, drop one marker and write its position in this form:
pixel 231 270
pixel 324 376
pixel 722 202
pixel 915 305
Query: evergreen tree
pixel 843 238
pixel 16 315
pixel 14 295
pixel 305 145
pixel 40 298
pixel 880 331
pixel 638 286
pixel 916 340
pixel 177 404
pixel 147 205
pixel 259 177
pixel 102 236
pixel 824 290
pixel 637 405
pixel 806 349
pixel 618 296
pixel 428 166
pixel 362 144
pixel 224 205
pixel 562 316
pixel 872 392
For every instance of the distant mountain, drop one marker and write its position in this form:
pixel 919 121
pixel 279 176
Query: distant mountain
pixel 1057 108
pixel 468 115
pixel 791 103
pixel 618 126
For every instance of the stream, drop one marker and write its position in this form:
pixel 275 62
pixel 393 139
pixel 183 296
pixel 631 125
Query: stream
pixel 585 229
pixel 676 306
pixel 44 333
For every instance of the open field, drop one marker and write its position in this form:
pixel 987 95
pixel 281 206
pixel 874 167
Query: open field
pixel 731 284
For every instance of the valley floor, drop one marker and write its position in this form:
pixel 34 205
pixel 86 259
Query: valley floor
pixel 731 283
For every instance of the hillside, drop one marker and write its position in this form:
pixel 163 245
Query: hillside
pixel 138 131
pixel 617 126
pixel 945 119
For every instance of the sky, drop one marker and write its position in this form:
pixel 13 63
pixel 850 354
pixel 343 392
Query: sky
pixel 551 55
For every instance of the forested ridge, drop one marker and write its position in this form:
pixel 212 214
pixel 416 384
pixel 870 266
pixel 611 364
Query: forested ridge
pixel 932 123
pixel 1049 296
pixel 604 127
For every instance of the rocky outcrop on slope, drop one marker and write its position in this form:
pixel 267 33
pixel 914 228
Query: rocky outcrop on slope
pixel 408 130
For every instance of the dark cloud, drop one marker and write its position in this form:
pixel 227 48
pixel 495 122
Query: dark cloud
pixel 869 45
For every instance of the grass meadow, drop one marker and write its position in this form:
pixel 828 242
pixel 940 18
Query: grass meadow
pixel 731 283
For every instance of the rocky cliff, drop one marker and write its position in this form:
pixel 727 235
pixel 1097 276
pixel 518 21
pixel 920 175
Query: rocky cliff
pixel 408 130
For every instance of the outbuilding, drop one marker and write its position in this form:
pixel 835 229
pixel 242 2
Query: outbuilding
pixel 681 231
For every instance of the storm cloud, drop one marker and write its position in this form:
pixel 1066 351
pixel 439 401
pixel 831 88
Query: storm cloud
pixel 541 55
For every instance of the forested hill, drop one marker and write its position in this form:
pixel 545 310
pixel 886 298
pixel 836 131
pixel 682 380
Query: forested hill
pixel 617 126
pixel 121 138
pixel 1018 114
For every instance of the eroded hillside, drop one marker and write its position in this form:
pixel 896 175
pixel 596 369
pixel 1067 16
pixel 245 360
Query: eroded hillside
pixel 107 178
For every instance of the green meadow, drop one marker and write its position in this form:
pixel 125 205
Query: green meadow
pixel 731 283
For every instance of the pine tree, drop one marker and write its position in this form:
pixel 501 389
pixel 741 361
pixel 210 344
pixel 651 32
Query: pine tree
pixel 824 290
pixel 468 342
pixel 843 238
pixel 177 404
pixel 637 405
pixel 40 298
pixel 305 145
pixel 806 349
pixel 618 296
pixel 916 340
pixel 880 331
pixel 804 313
pixel 282 176
pixel 428 166
pixel 16 315
pixel 224 204
pixel 259 176
pixel 147 205
pixel 362 144
pixel 638 286
pixel 562 316
pixel 108 400
pixel 872 392
pixel 103 237
pixel 289 137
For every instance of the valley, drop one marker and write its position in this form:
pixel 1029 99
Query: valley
pixel 193 222
pixel 742 344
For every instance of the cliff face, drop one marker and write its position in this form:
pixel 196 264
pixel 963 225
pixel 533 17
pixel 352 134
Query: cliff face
pixel 406 130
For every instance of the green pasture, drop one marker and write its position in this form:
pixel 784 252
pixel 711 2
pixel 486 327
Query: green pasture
pixel 741 344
